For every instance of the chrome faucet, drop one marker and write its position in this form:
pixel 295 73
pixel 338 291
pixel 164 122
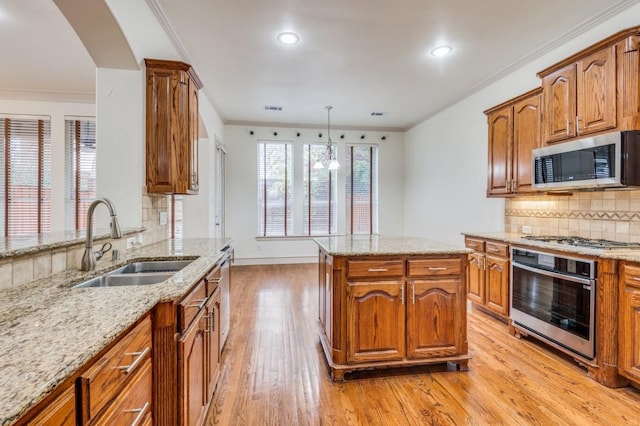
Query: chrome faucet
pixel 89 257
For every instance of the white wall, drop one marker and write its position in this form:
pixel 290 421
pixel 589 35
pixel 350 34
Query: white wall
pixel 242 189
pixel 446 156
pixel 57 111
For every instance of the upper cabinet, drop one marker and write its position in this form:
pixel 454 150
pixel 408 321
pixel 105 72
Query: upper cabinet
pixel 514 131
pixel 172 127
pixel 593 91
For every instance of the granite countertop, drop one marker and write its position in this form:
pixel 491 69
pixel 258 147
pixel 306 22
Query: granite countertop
pixel 30 244
pixel 380 245
pixel 49 330
pixel 517 239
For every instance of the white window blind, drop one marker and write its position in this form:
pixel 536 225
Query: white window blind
pixel 25 179
pixel 221 157
pixel 81 149
pixel 275 188
pixel 320 195
pixel 177 221
pixel 361 189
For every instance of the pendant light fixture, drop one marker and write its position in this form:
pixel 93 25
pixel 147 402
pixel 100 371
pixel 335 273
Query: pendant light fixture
pixel 329 155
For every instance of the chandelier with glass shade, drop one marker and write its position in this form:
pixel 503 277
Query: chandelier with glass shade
pixel 329 157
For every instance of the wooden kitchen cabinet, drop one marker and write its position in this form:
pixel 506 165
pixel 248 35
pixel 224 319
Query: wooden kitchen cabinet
pixel 514 131
pixel 488 278
pixel 60 412
pixel 171 127
pixel 381 311
pixel 376 321
pixel 213 341
pixel 629 323
pixel 595 90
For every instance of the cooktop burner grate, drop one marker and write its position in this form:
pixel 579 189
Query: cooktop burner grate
pixel 583 242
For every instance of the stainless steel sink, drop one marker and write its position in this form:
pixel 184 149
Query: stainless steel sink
pixel 114 280
pixel 137 273
pixel 152 266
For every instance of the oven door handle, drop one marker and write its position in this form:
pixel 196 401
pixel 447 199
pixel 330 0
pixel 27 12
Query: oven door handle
pixel 554 274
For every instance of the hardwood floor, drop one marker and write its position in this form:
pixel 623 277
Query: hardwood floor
pixel 274 372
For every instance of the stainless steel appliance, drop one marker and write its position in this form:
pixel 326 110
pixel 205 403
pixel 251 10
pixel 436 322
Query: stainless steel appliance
pixel 225 295
pixel 553 298
pixel 611 160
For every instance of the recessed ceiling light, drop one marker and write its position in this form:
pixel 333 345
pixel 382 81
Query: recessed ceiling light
pixel 288 38
pixel 441 51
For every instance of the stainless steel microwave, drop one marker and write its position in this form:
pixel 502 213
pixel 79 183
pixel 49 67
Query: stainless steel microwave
pixel 610 160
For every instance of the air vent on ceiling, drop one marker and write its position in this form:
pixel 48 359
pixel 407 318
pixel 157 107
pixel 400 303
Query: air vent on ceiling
pixel 377 114
pixel 273 108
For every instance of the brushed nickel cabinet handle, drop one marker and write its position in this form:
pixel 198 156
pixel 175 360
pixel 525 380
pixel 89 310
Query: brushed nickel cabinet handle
pixel 567 127
pixel 377 270
pixel 433 268
pixel 635 278
pixel 139 355
pixel 413 294
pixel 141 413
pixel 402 294
pixel 577 125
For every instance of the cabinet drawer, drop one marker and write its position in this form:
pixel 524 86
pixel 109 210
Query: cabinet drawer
pixel 474 244
pixel 632 275
pixel 498 249
pixel 213 280
pixel 61 412
pixel 375 268
pixel 104 380
pixel 189 307
pixel 433 267
pixel 133 405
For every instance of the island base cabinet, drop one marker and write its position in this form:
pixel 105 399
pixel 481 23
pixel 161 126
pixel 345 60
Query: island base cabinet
pixel 375 314
pixel 392 311
pixel 433 322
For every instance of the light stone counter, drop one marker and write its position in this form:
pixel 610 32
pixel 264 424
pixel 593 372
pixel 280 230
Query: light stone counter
pixel 379 245
pixel 517 240
pixel 49 330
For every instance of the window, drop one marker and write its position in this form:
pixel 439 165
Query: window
pixel 80 138
pixel 320 194
pixel 275 188
pixel 177 222
pixel 25 175
pixel 361 189
pixel 221 157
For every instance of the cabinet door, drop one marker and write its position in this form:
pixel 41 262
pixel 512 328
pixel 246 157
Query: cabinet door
pixel 500 143
pixel 192 370
pixel 434 318
pixel 559 90
pixel 376 321
pixel 596 91
pixel 193 137
pixel 497 284
pixel 629 325
pixel 475 292
pixel 526 137
pixel 213 333
pixel 160 90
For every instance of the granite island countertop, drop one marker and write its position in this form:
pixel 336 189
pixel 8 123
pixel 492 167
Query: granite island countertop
pixel 49 330
pixel 381 245
pixel 632 255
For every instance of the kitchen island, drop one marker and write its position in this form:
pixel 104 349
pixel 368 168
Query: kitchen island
pixel 391 302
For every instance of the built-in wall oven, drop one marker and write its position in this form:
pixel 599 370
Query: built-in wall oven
pixel 553 298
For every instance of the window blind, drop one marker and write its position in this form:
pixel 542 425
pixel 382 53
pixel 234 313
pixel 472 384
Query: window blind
pixel 320 195
pixel 221 157
pixel 81 155
pixel 361 189
pixel 275 188
pixel 25 187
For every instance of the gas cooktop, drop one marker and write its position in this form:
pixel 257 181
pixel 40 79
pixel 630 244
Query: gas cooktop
pixel 583 242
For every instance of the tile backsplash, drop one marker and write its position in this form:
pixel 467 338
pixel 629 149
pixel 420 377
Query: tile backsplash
pixel 612 214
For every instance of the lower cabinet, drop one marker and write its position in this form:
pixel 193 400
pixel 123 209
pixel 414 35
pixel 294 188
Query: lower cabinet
pixel 379 311
pixel 192 372
pixel 488 283
pixel 629 323
pixel 61 411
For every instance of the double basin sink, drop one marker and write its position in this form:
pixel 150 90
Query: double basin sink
pixel 137 273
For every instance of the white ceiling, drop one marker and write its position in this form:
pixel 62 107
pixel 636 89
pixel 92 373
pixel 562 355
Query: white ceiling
pixel 359 56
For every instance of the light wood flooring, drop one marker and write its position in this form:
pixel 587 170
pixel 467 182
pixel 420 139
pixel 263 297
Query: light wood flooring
pixel 274 372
